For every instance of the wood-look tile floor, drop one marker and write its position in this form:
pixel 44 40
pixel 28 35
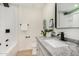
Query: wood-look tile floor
pixel 25 53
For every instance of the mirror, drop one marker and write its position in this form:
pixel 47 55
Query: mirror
pixel 67 15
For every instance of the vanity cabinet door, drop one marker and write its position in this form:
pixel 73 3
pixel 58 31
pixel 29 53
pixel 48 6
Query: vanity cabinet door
pixel 42 51
pixel 39 51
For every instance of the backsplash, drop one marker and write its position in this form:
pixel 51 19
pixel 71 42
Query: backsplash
pixel 70 33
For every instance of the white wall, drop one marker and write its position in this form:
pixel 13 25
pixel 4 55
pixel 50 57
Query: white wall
pixel 33 17
pixel 49 13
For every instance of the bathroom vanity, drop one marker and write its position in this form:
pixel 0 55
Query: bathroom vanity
pixel 52 46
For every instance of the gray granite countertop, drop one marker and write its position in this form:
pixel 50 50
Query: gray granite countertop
pixel 50 49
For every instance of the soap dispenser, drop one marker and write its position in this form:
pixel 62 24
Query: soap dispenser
pixel 62 36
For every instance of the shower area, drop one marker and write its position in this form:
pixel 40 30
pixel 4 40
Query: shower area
pixel 8 29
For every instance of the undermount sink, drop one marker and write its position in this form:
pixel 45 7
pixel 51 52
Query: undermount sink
pixel 56 43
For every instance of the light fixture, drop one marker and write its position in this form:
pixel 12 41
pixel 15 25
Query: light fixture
pixel 73 10
pixel 76 5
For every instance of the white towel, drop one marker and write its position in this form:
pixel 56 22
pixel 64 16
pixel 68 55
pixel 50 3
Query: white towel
pixel 24 27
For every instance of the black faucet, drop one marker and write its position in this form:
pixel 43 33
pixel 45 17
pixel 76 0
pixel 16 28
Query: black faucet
pixel 62 36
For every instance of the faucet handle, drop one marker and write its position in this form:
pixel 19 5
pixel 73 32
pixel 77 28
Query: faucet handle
pixel 58 34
